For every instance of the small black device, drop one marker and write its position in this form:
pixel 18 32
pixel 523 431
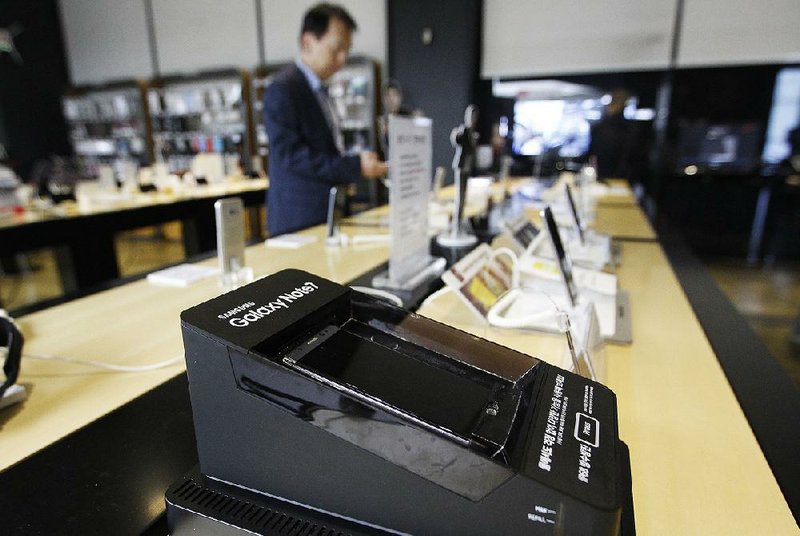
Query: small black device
pixel 563 258
pixel 146 188
pixel 307 395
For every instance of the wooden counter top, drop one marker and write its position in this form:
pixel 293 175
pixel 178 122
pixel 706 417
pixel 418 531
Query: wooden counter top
pixel 696 466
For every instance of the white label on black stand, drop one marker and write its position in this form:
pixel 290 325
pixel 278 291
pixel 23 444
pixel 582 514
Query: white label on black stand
pixel 410 171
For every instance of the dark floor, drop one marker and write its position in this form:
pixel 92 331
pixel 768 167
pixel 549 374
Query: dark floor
pixel 768 297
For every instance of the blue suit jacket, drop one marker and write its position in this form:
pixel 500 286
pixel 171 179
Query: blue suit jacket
pixel 303 159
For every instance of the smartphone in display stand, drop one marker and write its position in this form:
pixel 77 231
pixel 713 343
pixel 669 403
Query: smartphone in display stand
pixel 229 214
pixel 576 218
pixel 484 281
pixel 595 247
pixel 563 259
pixel 333 236
pixel 614 313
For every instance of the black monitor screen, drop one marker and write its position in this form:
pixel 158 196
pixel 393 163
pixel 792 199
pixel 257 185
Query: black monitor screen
pixel 735 147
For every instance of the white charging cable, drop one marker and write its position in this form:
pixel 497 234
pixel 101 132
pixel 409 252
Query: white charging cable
pixel 433 297
pixel 104 365
pixel 495 318
pixel 4 314
pixel 514 263
pixel 494 314
pixel 382 294
pixel 343 239
pixel 535 243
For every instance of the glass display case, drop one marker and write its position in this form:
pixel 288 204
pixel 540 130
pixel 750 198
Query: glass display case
pixel 106 124
pixel 201 114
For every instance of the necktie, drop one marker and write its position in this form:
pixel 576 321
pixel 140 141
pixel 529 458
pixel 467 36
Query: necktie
pixel 329 111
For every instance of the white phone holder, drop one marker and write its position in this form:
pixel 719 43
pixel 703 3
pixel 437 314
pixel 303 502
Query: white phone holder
pixel 533 267
pixel 236 276
pixel 595 252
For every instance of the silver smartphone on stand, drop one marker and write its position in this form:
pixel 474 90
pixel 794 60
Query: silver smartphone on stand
pixel 229 214
pixel 332 219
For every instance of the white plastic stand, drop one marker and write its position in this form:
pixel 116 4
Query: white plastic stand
pixel 463 139
pixel 457 240
pixel 430 271
pixel 15 393
pixel 236 278
pixel 339 239
pixel 534 307
pixel 532 267
pixel 585 352
pixel 595 253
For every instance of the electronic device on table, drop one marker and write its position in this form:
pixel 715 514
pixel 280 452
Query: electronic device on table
pixel 526 238
pixel 317 406
pixel 576 218
pixel 613 308
pixel 484 281
pixel 229 215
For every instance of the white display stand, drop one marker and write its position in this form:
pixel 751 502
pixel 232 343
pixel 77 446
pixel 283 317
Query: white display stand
pixel 410 171
pixel 485 281
pixel 463 138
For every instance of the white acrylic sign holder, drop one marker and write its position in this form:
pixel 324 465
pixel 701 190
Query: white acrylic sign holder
pixel 410 172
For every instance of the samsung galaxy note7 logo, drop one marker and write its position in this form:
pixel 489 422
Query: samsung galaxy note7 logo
pixel 254 314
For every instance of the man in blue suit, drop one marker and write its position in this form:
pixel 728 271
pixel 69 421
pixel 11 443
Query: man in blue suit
pixel 306 144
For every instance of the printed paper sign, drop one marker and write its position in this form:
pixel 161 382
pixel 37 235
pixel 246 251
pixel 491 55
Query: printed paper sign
pixel 410 164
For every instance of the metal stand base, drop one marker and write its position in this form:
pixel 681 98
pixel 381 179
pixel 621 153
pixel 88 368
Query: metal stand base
pixel 460 240
pixel 412 292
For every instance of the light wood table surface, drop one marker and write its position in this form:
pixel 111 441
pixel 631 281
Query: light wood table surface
pixel 131 201
pixel 83 234
pixel 135 324
pixel 623 222
pixel 616 211
pixel 696 466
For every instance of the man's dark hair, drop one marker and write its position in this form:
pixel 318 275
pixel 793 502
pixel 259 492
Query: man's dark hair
pixel 316 19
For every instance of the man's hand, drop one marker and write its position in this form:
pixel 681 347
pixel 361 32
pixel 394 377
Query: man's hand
pixel 371 166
